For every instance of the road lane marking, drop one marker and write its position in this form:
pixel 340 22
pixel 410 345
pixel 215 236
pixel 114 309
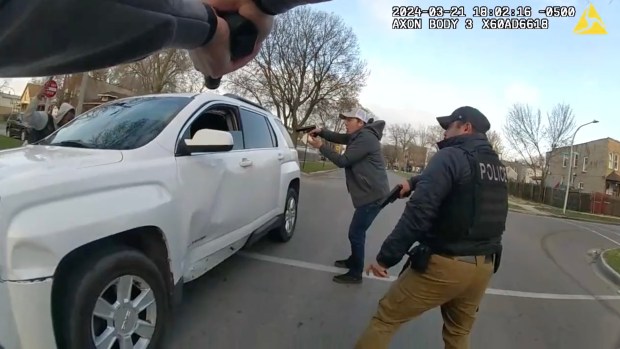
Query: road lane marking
pixel 492 291
pixel 588 229
pixel 605 228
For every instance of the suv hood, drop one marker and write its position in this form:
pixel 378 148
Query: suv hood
pixel 34 160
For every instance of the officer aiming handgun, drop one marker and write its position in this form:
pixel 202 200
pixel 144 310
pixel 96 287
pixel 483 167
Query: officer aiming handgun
pixel 366 180
pixel 457 215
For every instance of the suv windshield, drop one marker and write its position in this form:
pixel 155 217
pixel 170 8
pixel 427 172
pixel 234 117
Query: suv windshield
pixel 125 124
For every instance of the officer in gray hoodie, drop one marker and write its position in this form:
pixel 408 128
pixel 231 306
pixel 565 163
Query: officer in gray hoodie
pixel 366 180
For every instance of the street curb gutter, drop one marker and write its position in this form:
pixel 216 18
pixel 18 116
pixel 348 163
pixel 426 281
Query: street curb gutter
pixel 317 172
pixel 606 270
pixel 562 217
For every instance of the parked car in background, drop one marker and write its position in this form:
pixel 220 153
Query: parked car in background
pixel 103 221
pixel 15 127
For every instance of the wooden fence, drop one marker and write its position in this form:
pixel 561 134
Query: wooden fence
pixel 597 203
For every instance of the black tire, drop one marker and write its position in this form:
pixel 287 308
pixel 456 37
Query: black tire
pixel 91 277
pixel 281 234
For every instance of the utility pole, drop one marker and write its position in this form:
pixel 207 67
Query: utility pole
pixel 83 85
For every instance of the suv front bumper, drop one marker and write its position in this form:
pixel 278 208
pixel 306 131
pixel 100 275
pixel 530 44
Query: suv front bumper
pixel 26 315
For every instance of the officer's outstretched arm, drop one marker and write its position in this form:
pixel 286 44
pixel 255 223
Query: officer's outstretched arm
pixel 354 153
pixel 434 184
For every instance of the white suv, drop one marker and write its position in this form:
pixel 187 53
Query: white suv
pixel 104 220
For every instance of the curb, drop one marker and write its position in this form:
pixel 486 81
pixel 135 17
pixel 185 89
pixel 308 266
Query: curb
pixel 317 172
pixel 606 270
pixel 551 215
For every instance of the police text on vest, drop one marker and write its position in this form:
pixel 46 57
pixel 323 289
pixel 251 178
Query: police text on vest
pixel 495 173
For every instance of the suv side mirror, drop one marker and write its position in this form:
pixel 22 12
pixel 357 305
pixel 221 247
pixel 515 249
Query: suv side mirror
pixel 207 140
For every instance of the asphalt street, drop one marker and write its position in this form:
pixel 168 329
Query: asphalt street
pixel 281 295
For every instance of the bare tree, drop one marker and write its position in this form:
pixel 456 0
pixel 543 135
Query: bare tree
pixel 169 70
pixel 402 136
pixel 495 139
pixel 560 126
pixel 311 57
pixel 390 153
pixel 434 134
pixel 4 84
pixel 531 138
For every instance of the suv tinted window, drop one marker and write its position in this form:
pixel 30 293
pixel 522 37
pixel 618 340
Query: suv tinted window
pixel 256 132
pixel 124 124
pixel 284 131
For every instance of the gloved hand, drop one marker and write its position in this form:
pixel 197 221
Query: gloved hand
pixel 214 58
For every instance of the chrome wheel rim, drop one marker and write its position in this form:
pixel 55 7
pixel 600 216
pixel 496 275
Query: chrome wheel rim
pixel 290 215
pixel 125 315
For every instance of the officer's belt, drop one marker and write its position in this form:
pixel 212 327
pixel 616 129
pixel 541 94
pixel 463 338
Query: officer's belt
pixel 469 259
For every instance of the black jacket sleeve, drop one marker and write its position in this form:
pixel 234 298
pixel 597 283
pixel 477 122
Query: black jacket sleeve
pixel 54 37
pixel 447 167
pixel 43 37
pixel 274 7
pixel 413 181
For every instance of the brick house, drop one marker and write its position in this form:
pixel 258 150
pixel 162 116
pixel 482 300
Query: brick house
pixel 595 167
pixel 97 92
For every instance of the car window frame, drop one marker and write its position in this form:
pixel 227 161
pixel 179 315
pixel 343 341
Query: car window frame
pixel 284 131
pixel 196 114
pixel 268 124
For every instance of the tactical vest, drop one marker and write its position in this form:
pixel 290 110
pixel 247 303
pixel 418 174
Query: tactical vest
pixel 472 219
pixel 37 135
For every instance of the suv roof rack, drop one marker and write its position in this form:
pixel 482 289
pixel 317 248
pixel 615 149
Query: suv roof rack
pixel 244 100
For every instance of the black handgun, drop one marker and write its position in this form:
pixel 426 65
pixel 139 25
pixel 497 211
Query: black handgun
pixel 306 129
pixel 392 196
pixel 242 38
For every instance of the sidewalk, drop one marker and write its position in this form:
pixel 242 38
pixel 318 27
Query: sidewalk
pixel 523 206
pixel 518 205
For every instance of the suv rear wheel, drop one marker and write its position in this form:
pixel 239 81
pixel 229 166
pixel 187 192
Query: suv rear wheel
pixel 116 299
pixel 286 230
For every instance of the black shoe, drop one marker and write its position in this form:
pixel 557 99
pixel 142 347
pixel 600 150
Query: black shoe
pixel 343 263
pixel 348 279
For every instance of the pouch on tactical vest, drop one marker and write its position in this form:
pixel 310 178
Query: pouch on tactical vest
pixel 490 199
pixel 472 217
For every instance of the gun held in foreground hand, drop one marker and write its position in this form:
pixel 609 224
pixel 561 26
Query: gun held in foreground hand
pixel 392 196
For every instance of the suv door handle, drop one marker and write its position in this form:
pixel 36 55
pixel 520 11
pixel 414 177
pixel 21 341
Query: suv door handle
pixel 245 163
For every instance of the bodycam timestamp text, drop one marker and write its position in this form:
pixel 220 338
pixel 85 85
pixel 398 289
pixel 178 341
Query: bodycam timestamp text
pixel 478 17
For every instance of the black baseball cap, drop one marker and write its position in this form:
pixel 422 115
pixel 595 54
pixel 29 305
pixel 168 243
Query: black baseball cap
pixel 466 114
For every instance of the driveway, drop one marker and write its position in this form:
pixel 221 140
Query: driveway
pixel 281 296
pixel 3 128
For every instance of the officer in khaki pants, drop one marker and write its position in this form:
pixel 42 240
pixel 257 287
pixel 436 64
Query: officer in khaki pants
pixel 457 215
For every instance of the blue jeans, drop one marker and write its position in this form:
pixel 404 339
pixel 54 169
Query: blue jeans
pixel 362 219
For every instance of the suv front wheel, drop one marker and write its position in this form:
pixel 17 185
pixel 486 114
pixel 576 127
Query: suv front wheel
pixel 116 299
